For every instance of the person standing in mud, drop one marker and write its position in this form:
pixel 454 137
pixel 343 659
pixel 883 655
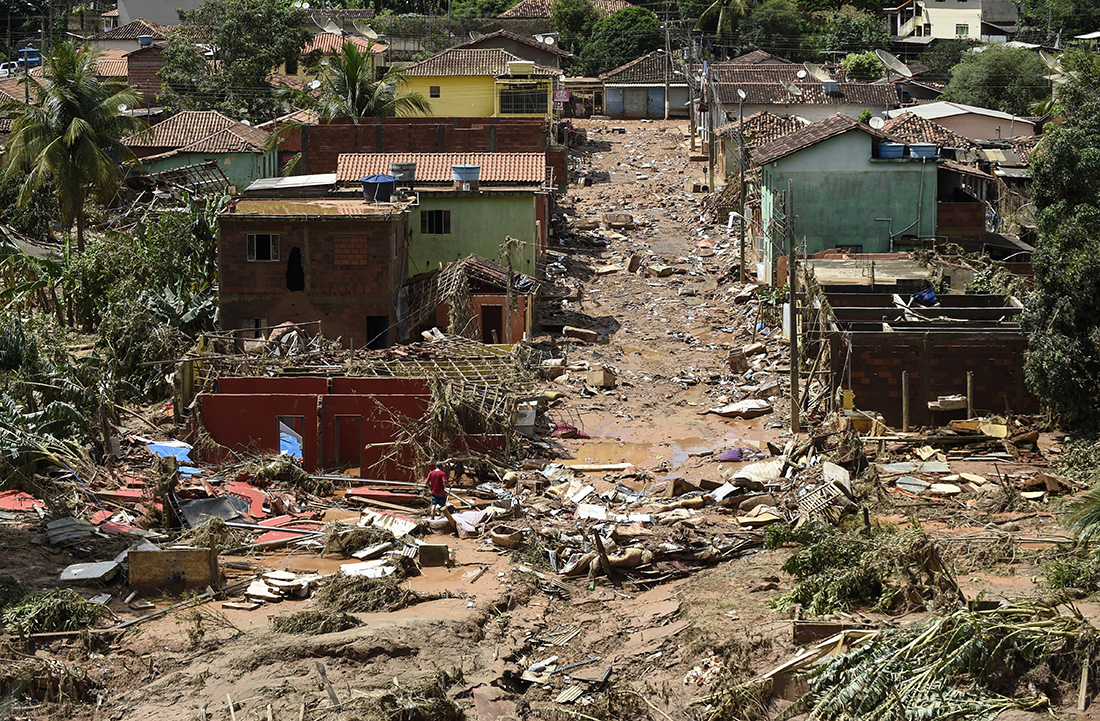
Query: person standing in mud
pixel 436 483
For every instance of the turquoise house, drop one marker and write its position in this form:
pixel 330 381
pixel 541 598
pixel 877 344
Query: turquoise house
pixel 845 192
pixel 200 136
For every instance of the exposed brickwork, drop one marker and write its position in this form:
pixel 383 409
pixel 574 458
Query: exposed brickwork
pixel 937 365
pixel 322 144
pixel 141 72
pixel 349 264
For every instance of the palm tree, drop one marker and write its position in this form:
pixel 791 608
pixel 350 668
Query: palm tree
pixel 72 135
pixel 722 18
pixel 349 89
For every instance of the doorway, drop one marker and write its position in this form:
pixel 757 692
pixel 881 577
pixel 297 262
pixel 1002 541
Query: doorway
pixel 295 274
pixel 492 324
pixel 349 441
pixel 378 332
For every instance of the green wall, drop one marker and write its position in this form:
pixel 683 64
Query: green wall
pixel 240 168
pixel 839 191
pixel 479 223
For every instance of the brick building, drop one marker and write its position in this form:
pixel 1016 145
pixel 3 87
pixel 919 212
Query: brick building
pixel 340 262
pixel 142 66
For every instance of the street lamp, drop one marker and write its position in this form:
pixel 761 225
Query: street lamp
pixel 741 170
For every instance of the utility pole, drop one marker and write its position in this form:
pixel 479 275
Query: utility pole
pixel 741 170
pixel 668 62
pixel 792 317
pixel 708 91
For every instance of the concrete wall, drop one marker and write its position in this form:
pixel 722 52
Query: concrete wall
pixel 839 191
pixel 159 11
pixel 346 422
pixel 353 268
pixel 937 365
pixel 461 97
pixel 648 102
pixel 479 223
pixel 944 21
pixel 983 127
pixel 322 144
pixel 240 168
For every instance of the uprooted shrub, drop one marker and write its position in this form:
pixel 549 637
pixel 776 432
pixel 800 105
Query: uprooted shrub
pixel 342 540
pixel 314 622
pixel 424 700
pixel 45 681
pixel 1078 572
pixel 59 609
pixel 968 664
pixel 358 594
pixel 890 570
pixel 284 472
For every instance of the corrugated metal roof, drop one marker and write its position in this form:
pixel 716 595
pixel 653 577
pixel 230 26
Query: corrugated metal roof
pixel 528 168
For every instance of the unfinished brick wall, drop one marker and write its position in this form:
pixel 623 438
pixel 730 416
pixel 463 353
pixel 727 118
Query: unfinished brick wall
pixel 141 70
pixel 349 264
pixel 323 143
pixel 937 365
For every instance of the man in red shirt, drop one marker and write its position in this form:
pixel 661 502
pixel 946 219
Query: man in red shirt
pixel 436 481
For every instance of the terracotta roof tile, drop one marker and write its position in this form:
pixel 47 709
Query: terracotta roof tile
pixel 810 135
pixel 13 89
pixel 541 8
pixel 964 169
pixel 763 127
pixel 519 39
pixel 112 68
pixel 1024 147
pixel 111 13
pixel 134 29
pixel 774 93
pixel 469 63
pixel 523 168
pixel 646 70
pixel 201 131
pixel 915 129
pixel 334 43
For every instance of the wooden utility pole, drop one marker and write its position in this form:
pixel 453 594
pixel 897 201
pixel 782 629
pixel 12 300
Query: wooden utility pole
pixel 668 63
pixel 709 94
pixel 792 317
pixel 741 170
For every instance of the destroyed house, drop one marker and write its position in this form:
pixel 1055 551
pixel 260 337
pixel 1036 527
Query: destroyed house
pixel 340 262
pixel 964 341
pixel 328 423
pixel 509 198
pixel 474 298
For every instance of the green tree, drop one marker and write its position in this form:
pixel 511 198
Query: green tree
pixel 775 27
pixel 1008 79
pixel 622 36
pixel 573 19
pixel 723 18
pixel 1071 17
pixel 70 138
pixel 944 55
pixel 1062 315
pixel 851 31
pixel 480 8
pixel 864 67
pixel 349 89
pixel 248 39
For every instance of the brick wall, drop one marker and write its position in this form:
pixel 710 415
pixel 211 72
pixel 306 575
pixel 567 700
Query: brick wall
pixel 937 365
pixel 323 143
pixel 141 68
pixel 349 266
pixel 960 217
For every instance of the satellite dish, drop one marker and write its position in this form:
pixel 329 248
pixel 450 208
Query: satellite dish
pixel 331 27
pixel 893 64
pixel 817 73
pixel 791 88
pixel 314 84
pixel 548 41
pixel 800 74
pixel 123 107
pixel 245 122
pixel 877 123
pixel 305 6
pixel 475 35
pixel 740 93
pixel 363 29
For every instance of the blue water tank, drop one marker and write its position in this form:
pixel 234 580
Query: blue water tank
pixel 890 150
pixel 377 188
pixel 923 150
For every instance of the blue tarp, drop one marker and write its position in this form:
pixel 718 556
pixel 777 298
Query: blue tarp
pixel 171 449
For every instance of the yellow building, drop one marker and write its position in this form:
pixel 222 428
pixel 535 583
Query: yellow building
pixel 482 84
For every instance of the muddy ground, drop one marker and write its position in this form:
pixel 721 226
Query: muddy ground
pixel 668 339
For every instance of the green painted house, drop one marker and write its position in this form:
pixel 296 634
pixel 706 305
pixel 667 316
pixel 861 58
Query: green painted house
pixel 199 136
pixel 845 195
pixel 452 220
